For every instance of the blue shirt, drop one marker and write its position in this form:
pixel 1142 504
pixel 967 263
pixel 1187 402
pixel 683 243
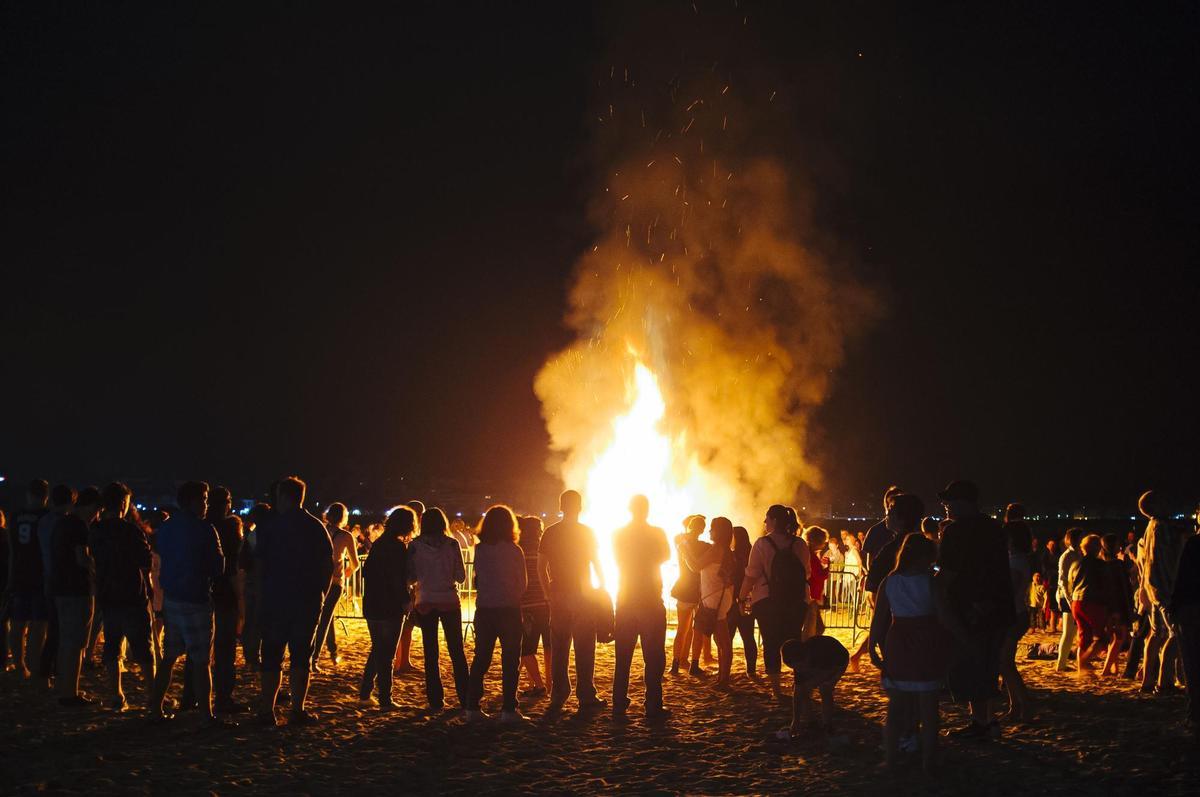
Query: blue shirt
pixel 191 558
pixel 294 557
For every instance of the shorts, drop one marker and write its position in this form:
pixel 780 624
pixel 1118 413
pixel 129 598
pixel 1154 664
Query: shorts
pixel 975 672
pixel 28 606
pixel 189 630
pixel 297 632
pixel 535 627
pixel 130 624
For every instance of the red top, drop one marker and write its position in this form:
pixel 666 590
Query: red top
pixel 819 574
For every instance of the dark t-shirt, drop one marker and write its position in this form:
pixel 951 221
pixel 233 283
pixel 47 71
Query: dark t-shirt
pixel 882 563
pixel 68 578
pixel 640 550
pixel 25 569
pixel 568 546
pixel 821 654
pixel 229 532
pixel 973 560
pixel 295 560
pixel 878 536
pixel 122 554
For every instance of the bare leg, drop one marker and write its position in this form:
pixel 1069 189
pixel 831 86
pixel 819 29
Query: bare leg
pixel 270 690
pixel 893 727
pixel 532 670
pixel 683 635
pixel 928 707
pixel 724 653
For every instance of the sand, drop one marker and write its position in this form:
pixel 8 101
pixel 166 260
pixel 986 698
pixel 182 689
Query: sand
pixel 1090 736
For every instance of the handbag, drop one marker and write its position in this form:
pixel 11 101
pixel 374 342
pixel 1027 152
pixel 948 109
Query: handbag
pixel 706 617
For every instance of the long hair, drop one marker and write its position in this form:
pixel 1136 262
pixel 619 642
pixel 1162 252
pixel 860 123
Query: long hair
pixel 917 553
pixel 784 517
pixel 434 523
pixel 497 525
pixel 400 523
pixel 741 543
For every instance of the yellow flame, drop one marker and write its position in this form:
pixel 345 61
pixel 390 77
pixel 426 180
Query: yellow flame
pixel 642 459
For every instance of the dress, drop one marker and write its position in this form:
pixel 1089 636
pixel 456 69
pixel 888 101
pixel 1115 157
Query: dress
pixel 916 650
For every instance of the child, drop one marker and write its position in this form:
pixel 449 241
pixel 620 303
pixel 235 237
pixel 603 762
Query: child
pixel 908 629
pixel 1037 603
pixel 817 663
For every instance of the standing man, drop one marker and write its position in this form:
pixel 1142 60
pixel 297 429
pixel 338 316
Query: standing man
pixel 1185 611
pixel 190 558
pixel 62 501
pixel 72 573
pixel 567 555
pixel 226 601
pixel 640 551
pixel 27 582
pixel 344 550
pixel 974 574
pixel 1161 552
pixel 123 560
pixel 295 560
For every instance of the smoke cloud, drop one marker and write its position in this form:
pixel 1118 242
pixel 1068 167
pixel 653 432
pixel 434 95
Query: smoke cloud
pixel 705 265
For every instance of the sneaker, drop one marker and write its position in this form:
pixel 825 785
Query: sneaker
pixel 971 731
pixel 594 702
pixel 475 715
pixel 695 670
pixel 366 702
pixel 675 667
pixel 513 717
pixel 660 714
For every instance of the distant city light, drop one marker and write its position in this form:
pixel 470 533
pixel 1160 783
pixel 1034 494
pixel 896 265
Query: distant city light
pixel 356 511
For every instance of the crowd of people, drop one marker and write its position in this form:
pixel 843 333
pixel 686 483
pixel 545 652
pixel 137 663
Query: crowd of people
pixel 952 598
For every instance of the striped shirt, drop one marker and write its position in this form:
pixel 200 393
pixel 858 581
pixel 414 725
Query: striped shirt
pixel 534 596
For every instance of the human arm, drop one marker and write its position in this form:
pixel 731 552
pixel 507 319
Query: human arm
pixel 881 620
pixel 754 571
pixel 594 559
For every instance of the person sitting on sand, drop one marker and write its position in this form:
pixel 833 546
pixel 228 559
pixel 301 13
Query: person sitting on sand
pixel 295 557
pixel 501 580
pixel 817 664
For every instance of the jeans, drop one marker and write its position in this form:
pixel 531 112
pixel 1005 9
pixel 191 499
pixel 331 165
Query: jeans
pixel 492 624
pixel 1187 619
pixel 647 621
pixel 451 622
pixel 128 624
pixel 224 652
pixel 326 633
pixel 744 625
pixel 74 624
pixel 251 636
pixel 778 624
pixel 571 622
pixel 384 636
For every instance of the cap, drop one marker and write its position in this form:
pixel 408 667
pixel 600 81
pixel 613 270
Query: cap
pixel 960 491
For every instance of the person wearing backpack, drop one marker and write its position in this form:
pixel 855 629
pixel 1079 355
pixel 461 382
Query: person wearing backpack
pixel 776 584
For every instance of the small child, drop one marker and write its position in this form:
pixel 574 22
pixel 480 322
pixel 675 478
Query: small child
pixel 1037 603
pixel 817 664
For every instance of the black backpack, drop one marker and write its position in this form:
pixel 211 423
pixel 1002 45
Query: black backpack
pixel 787 583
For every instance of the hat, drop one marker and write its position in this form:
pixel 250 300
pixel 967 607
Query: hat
pixel 960 491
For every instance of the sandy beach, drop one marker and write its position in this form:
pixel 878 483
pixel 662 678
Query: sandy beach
pixel 1090 737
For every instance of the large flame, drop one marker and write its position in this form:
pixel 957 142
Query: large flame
pixel 642 459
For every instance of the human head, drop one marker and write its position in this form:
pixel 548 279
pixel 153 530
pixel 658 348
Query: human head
pixel 931 528
pixel 904 515
pixel 888 494
pixel 570 503
pixel 1072 537
pixel 63 496
pixel 917 554
pixel 193 497
pixel 1091 545
pixel 220 501
pixel 721 533
pixel 530 528
pixel 1110 545
pixel 336 515
pixel 87 506
pixel 816 537
pixel 259 513
pixel 1020 537
pixel 780 519
pixel 115 499
pixel 741 540
pixel 401 523
pixel 497 525
pixel 694 525
pixel 290 493
pixel 36 493
pixel 639 508
pixel 960 498
pixel 417 506
pixel 434 522
pixel 1151 505
pixel 1014 512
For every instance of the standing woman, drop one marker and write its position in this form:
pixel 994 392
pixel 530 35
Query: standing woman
pixel 1120 600
pixel 500 581
pixel 740 622
pixel 686 592
pixel 435 569
pixel 345 562
pixel 535 609
pixel 776 583
pixel 385 603
pixel 715 564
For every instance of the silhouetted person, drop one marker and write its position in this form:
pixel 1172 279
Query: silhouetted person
pixel 640 551
pixel 1185 612
pixel 1020 570
pixel 71 584
pixel 226 600
pixel 973 561
pixel 386 602
pixel 535 609
pixel 501 580
pixel 880 534
pixel 686 592
pixel 403 663
pixel 190 557
pixel 566 559
pixel 740 622
pixel 295 555
pixel 1161 552
pixel 62 501
pixel 122 554
pixel 1063 593
pixel 27 582
pixel 248 563
pixel 344 550
pixel 435 569
pixel 776 584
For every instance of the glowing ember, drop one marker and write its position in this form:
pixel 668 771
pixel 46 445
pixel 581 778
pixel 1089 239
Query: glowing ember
pixel 641 458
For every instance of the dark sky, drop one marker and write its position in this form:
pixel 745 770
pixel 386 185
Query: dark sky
pixel 243 241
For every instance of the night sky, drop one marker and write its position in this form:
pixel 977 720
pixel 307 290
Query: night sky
pixel 244 241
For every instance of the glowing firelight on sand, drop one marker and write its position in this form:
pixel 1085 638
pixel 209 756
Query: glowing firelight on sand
pixel 641 458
